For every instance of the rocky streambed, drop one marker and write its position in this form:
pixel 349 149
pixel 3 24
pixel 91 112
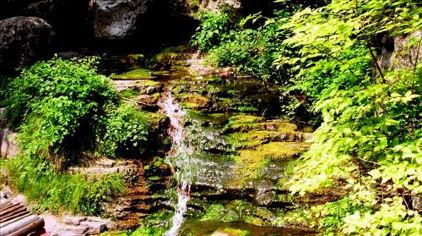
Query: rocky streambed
pixel 235 150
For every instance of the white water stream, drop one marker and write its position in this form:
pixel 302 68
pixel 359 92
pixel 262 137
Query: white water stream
pixel 179 150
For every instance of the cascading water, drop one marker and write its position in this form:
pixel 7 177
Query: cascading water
pixel 180 152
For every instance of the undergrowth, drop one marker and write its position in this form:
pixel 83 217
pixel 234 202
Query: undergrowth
pixel 369 142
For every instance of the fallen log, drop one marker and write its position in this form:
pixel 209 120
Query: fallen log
pixel 32 227
pixel 16 226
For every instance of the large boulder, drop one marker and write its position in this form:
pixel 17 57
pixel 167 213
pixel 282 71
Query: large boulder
pixel 23 40
pixel 117 19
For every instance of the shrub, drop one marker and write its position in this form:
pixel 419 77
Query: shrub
pixel 63 108
pixel 125 132
pixel 212 30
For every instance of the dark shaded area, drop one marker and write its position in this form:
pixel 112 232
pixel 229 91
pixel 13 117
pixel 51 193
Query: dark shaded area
pixel 157 29
pixel 266 7
pixel 73 24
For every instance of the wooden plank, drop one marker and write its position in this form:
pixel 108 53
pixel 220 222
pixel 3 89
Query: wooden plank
pixel 11 209
pixel 4 203
pixel 19 210
pixel 7 205
pixel 13 220
pixel 16 214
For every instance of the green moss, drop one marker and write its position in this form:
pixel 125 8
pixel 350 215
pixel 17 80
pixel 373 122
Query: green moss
pixel 244 123
pixel 169 56
pixel 231 232
pixel 194 101
pixel 137 74
pixel 254 138
pixel 130 93
pixel 147 82
pixel 229 212
pixel 251 162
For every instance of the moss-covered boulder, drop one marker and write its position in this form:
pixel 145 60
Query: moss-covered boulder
pixel 194 101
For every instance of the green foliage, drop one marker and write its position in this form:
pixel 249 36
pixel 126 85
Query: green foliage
pixel 250 45
pixel 61 80
pixel 63 108
pixel 371 121
pixel 212 29
pixel 40 182
pixel 393 218
pixel 370 139
pixel 126 131
pixel 328 217
pixel 57 103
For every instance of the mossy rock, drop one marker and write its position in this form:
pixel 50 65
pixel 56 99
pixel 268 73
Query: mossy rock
pixel 250 163
pixel 169 56
pixel 245 123
pixel 137 74
pixel 194 101
pixel 130 93
pixel 273 151
pixel 155 118
pixel 254 138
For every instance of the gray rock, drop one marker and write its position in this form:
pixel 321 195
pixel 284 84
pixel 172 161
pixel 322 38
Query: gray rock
pixel 417 202
pixel 23 40
pixel 117 19
pixel 399 52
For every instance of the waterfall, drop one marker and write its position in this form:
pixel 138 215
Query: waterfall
pixel 181 151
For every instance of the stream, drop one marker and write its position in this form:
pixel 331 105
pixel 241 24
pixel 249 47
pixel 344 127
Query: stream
pixel 180 151
pixel 229 149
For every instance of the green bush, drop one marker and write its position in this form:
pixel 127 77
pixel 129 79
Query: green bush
pixel 63 108
pixel 125 132
pixel 212 30
pixel 57 104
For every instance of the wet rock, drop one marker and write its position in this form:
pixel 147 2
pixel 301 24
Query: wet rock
pixel 207 138
pixel 142 86
pixel 264 195
pixel 190 8
pixel 148 102
pixel 105 166
pixel 117 19
pixel 5 193
pixel 23 40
